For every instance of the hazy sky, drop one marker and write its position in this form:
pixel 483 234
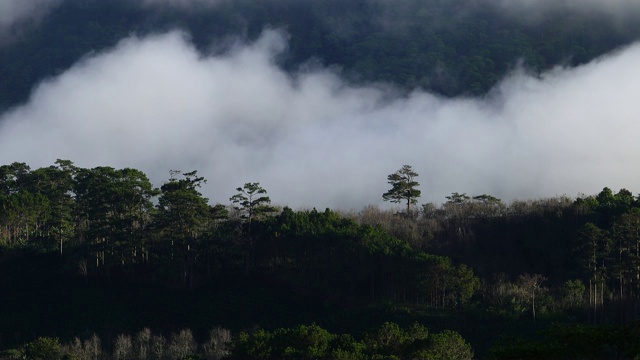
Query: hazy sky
pixel 312 140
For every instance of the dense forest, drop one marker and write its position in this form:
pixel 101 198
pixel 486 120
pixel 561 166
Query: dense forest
pixel 98 263
pixel 450 48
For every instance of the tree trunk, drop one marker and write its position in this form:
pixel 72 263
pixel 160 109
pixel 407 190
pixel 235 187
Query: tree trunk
pixel 533 304
pixel 595 302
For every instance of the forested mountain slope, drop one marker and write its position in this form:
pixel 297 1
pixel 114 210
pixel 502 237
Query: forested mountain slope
pixel 520 99
pixel 101 250
pixel 447 47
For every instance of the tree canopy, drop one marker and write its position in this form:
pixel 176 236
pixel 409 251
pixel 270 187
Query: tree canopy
pixel 128 251
pixel 251 201
pixel 403 187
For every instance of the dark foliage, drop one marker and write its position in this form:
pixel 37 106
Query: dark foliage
pixel 84 250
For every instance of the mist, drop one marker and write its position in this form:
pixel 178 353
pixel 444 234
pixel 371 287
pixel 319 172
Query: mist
pixel 15 13
pixel 18 15
pixel 613 6
pixel 313 140
pixel 184 4
pixel 622 13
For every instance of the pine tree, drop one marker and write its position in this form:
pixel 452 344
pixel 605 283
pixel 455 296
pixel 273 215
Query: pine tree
pixel 403 187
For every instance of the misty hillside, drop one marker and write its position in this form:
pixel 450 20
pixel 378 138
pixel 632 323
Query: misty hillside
pixel 500 114
pixel 90 256
pixel 446 47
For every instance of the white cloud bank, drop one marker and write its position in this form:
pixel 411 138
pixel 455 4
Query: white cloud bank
pixel 311 140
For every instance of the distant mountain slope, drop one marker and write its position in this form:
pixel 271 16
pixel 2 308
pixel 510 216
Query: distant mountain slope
pixel 447 47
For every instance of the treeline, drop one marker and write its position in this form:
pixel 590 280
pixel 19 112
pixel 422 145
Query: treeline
pixel 584 252
pixel 390 341
pixel 450 48
pixel 107 219
pixel 125 251
pixel 111 227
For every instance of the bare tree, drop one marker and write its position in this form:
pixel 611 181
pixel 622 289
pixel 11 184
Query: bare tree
pixel 143 344
pixel 122 347
pixel 182 345
pixel 76 350
pixel 157 347
pixel 530 285
pixel 218 344
pixel 93 347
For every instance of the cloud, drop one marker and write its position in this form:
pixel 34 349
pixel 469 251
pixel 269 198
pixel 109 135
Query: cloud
pixel 183 3
pixel 614 5
pixel 15 12
pixel 311 139
pixel 526 4
pixel 623 11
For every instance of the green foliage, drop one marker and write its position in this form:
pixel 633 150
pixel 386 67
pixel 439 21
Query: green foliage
pixel 456 198
pixel 465 284
pixel 182 211
pixel 390 341
pixel 447 345
pixel 43 348
pixel 345 347
pixel 403 187
pixel 256 345
pixel 336 259
pixel 115 206
pixel 183 258
pixel 444 284
pixel 11 354
pixel 573 293
pixel 303 342
pixel 251 201
pixel 25 214
pixel 117 226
